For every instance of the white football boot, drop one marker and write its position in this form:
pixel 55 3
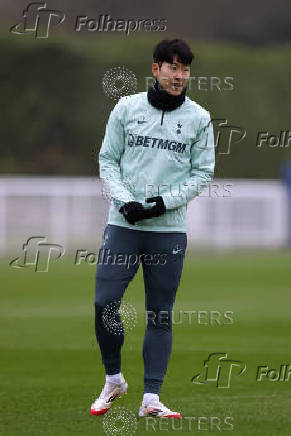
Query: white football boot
pixel 157 409
pixel 110 392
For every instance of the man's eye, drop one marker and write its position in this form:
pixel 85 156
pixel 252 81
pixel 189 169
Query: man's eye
pixel 173 67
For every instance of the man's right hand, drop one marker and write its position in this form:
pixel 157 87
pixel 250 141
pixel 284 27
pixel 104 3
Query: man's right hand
pixel 132 211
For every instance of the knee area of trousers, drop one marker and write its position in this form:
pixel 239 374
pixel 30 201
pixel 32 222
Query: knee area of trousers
pixel 159 318
pixel 107 311
pixel 109 320
pixel 108 307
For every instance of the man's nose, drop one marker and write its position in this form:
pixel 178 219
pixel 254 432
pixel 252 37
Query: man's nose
pixel 178 74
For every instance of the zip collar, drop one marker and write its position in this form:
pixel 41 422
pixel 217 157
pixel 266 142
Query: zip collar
pixel 161 99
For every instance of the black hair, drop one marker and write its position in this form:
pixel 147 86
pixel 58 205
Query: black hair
pixel 166 49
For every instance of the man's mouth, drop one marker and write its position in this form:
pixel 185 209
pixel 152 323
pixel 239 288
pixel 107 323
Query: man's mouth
pixel 177 85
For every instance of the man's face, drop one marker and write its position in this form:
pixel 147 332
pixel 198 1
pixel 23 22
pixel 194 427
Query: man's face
pixel 173 77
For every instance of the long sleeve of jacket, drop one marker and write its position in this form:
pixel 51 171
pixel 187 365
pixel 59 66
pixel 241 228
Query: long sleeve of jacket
pixel 110 154
pixel 202 167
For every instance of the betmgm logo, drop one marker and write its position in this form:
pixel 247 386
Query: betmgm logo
pixel 38 253
pixel 219 369
pixel 38 19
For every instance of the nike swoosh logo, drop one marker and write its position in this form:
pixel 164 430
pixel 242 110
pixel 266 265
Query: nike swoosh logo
pixel 177 251
pixel 112 398
pixel 154 412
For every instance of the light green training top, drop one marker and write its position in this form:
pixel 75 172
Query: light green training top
pixel 148 152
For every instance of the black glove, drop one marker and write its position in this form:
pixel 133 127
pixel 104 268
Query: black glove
pixel 132 211
pixel 158 209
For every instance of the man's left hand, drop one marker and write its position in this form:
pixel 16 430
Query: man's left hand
pixel 158 209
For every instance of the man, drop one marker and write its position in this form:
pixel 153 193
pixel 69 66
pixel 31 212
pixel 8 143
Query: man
pixel 157 155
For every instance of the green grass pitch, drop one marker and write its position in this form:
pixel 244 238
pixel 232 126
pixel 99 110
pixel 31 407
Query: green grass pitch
pixel 51 368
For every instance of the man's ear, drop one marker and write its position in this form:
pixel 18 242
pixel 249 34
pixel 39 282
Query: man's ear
pixel 155 69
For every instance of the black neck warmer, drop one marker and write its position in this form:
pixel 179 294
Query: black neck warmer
pixel 161 99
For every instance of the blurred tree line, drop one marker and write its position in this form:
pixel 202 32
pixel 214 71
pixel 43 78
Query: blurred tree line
pixel 249 22
pixel 55 109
